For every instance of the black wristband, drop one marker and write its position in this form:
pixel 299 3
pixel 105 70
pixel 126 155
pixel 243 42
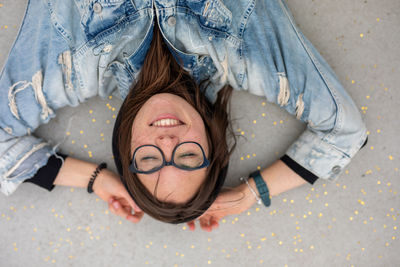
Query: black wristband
pixel 94 176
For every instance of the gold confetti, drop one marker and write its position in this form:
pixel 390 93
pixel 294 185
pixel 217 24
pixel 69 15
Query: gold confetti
pixel 361 35
pixel 81 132
pixel 254 121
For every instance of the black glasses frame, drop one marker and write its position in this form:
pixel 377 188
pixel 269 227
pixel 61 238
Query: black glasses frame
pixel 133 168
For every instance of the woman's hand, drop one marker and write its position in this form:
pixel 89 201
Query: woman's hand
pixel 228 202
pixel 110 189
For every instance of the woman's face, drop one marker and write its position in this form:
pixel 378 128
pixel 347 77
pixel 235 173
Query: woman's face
pixel 150 127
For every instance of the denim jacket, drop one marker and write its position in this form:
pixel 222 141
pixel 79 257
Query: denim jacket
pixel 68 51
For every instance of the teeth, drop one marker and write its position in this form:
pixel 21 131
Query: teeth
pixel 166 122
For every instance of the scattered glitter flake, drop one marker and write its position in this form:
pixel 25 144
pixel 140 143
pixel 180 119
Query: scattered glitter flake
pixel 71 189
pixel 390 157
pixel 90 111
pixel 372 148
pixel 81 131
pixel 254 121
pixel 241 158
pixel 120 222
pixel 73 141
pixel 378 131
pixel 378 19
pixel 93 120
pixel 361 35
pixel 263 103
pixel 242 132
pixel 242 235
pixel 108 121
pixel 275 123
pixel 263 114
pixel 367 97
pixel 352 81
pixel 281 121
pixel 184 228
pixel 209 262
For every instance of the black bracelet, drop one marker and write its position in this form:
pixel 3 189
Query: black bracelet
pixel 94 175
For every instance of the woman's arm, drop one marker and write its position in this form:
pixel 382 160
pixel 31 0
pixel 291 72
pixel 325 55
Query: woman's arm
pixel 278 177
pixel 107 186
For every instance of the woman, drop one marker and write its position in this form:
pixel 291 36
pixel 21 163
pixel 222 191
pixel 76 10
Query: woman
pixel 78 49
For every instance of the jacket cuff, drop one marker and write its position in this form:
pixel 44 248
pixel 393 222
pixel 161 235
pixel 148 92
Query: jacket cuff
pixel 320 158
pixel 47 174
pixel 297 168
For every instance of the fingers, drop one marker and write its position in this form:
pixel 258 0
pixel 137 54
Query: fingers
pixel 132 203
pixel 124 212
pixel 191 225
pixel 208 224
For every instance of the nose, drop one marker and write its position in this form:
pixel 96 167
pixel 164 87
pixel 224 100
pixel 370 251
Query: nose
pixel 167 143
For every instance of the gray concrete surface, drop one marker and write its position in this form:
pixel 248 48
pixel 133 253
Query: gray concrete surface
pixel 351 222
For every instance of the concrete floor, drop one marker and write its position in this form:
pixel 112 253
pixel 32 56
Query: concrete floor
pixel 351 222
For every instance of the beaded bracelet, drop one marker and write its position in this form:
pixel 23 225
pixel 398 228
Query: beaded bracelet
pixel 94 176
pixel 251 189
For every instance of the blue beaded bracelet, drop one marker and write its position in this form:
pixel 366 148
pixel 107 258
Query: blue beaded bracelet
pixel 262 188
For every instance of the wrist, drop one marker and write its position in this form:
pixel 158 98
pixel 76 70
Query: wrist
pixel 248 197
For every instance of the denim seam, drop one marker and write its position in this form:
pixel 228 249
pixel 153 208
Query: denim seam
pixel 245 18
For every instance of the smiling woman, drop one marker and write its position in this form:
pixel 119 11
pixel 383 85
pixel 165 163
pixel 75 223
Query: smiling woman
pixel 166 109
pixel 174 64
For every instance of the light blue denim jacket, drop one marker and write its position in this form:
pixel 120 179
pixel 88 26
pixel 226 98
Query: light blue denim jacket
pixel 68 51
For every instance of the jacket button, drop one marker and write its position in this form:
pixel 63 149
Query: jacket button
pixel 97 8
pixel 171 21
pixel 336 169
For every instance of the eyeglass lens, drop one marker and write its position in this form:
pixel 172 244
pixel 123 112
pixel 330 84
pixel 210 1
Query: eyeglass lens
pixel 187 156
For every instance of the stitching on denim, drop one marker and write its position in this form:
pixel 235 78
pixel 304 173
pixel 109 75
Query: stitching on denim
pixel 245 19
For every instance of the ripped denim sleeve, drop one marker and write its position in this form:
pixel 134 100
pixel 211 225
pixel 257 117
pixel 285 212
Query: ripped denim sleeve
pixel 283 64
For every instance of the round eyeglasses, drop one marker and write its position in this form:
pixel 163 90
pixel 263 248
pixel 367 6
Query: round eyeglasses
pixel 187 156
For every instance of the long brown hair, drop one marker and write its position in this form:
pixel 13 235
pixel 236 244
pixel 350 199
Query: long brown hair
pixel 161 73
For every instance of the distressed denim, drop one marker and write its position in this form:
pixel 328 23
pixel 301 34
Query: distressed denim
pixel 70 50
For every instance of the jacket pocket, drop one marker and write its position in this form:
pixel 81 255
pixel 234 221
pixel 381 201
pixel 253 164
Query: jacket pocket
pixel 100 15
